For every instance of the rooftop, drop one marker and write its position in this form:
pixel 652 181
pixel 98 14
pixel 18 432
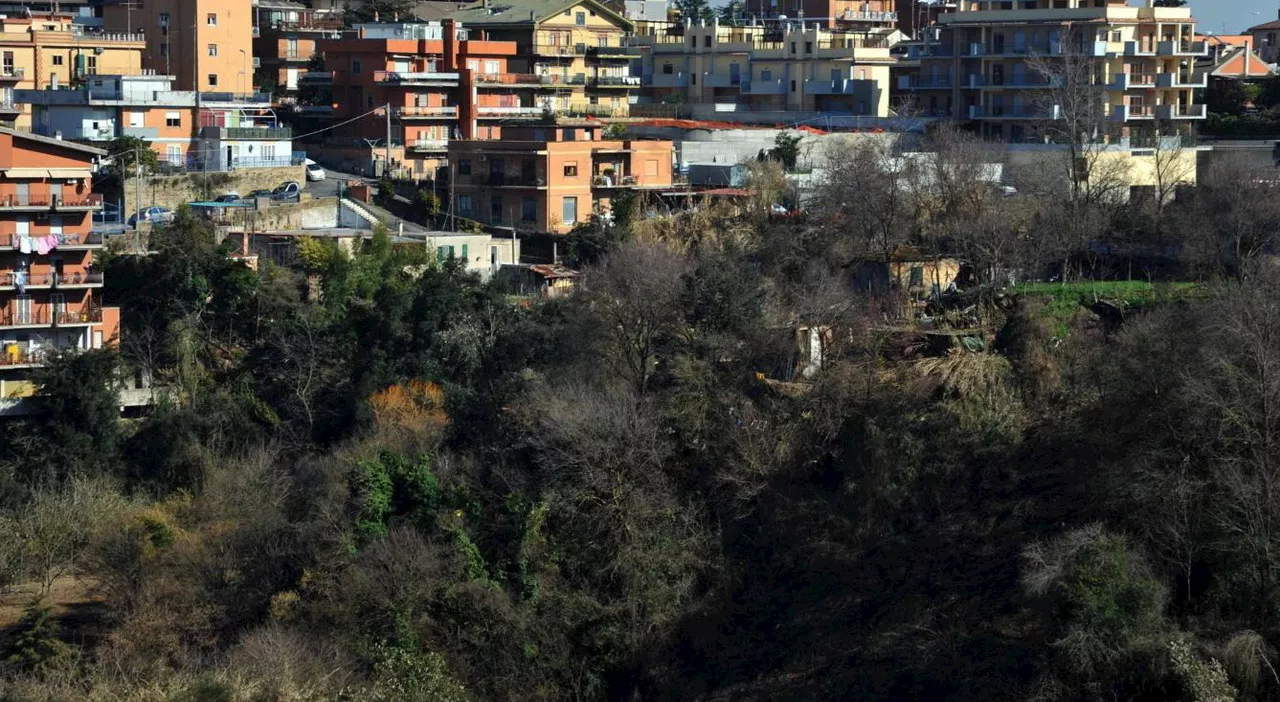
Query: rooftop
pixel 525 12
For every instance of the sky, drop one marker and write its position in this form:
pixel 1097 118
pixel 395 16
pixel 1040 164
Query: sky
pixel 1233 15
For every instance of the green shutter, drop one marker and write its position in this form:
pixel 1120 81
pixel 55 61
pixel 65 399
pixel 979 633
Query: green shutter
pixel 464 253
pixel 441 253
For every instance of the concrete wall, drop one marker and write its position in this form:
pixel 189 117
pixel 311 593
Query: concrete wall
pixel 171 191
pixel 312 214
pixel 733 146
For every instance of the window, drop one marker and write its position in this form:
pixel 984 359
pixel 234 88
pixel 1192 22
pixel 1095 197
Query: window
pixel 495 208
pixel 570 135
pixel 213 80
pixel 268 152
pixel 464 205
pixel 91 65
pixel 706 41
pixel 173 119
pixel 444 253
pixel 793 86
pixel 571 170
pixel 173 153
pixel 569 210
pixel 355 65
pixel 213 49
pixel 55 224
pixel 164 19
pixel 464 253
pixel 491 67
pixel 291 49
pixel 580 19
pixel 164 49
pixel 57 60
pixel 766 75
pixel 1116 36
pixel 464 166
pixel 137 120
pixel 808 47
pixel 528 210
pixel 211 19
pixel 793 47
pixel 667 69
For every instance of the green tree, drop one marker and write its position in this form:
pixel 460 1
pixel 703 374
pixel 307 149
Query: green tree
pixel 126 152
pixel 695 10
pixel 786 150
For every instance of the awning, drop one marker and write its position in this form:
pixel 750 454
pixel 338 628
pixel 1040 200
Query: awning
pixel 55 173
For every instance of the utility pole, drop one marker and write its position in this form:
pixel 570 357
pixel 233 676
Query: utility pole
pixel 386 167
pixel 137 189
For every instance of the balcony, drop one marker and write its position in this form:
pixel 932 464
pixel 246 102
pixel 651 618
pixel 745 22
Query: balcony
pixel 9 74
pixel 764 87
pixel 1184 79
pixel 429 145
pixel 721 80
pixel 91 240
pixel 866 16
pixel 316 78
pixel 14 203
pixel 247 133
pixel 926 83
pixel 1176 111
pixel 625 53
pixel 421 78
pixel 918 51
pixel 529 80
pixel 1182 48
pixel 509 112
pixel 504 180
pixel 431 112
pixel 48 316
pixel 1132 81
pixel 843 86
pixel 560 49
pixel 148 133
pixel 1128 113
pixel 608 181
pixel 623 82
pixel 307 25
pixel 1139 48
pixel 51 281
pixel 666 80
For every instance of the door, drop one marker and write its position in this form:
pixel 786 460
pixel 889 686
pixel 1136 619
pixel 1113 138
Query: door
pixel 24 194
pixel 231 154
pixel 58 302
pixel 569 210
pixel 22 310
pixel 55 192
pixel 291 78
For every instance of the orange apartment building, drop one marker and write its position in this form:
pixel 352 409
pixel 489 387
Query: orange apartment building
pixel 438 82
pixel 50 287
pixel 285 37
pixel 206 44
pixel 548 178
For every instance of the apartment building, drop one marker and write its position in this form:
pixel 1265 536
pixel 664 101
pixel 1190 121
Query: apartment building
pixel 549 178
pixel 50 285
pixel 206 45
pixel 849 15
pixel 1266 40
pixel 285 38
pixel 435 80
pixel 775 67
pixel 981 68
pixel 54 51
pixel 571 56
pixel 214 131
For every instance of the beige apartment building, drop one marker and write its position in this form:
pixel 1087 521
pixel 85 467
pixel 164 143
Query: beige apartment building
pixel 207 45
pixel 775 67
pixel 52 52
pixel 573 54
pixel 981 66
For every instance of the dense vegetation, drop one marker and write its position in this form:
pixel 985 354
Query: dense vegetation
pixel 375 478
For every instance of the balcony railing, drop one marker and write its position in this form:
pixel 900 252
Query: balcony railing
pixel 560 49
pixel 14 241
pixel 48 315
pixel 516 181
pixel 616 81
pixel 866 16
pixel 429 144
pixel 9 73
pixel 254 133
pixel 509 111
pixel 530 79
pixel 307 25
pixel 412 77
pixel 607 181
pixel 429 111
pixel 50 280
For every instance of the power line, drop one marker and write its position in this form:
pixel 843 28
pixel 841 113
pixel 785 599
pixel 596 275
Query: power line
pixel 340 124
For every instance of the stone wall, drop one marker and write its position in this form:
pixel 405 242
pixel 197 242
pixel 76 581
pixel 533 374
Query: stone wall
pixel 171 191
pixel 309 214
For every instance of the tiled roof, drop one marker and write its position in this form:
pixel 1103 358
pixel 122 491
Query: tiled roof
pixel 525 12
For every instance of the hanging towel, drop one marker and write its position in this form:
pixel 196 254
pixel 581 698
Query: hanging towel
pixel 42 245
pixel 24 243
pixel 52 241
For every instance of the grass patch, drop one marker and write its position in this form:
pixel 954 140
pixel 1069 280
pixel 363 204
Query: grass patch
pixel 1066 300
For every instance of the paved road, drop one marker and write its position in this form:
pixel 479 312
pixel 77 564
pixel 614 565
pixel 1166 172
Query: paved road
pixel 329 186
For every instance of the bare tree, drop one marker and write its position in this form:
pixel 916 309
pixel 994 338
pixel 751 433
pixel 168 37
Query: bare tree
pixel 865 199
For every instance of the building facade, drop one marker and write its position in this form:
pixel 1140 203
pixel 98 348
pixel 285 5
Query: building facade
pixel 50 284
pixel 987 65
pixel 549 178
pixel 214 131
pixel 1266 40
pixel 774 67
pixel 285 38
pixel 54 51
pixel 206 45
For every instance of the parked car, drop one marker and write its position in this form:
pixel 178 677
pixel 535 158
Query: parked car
pixel 314 171
pixel 228 198
pixel 153 214
pixel 287 192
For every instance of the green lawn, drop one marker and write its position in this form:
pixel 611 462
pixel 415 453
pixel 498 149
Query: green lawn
pixel 1066 298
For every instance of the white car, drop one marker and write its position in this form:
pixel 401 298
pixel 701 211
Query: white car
pixel 314 171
